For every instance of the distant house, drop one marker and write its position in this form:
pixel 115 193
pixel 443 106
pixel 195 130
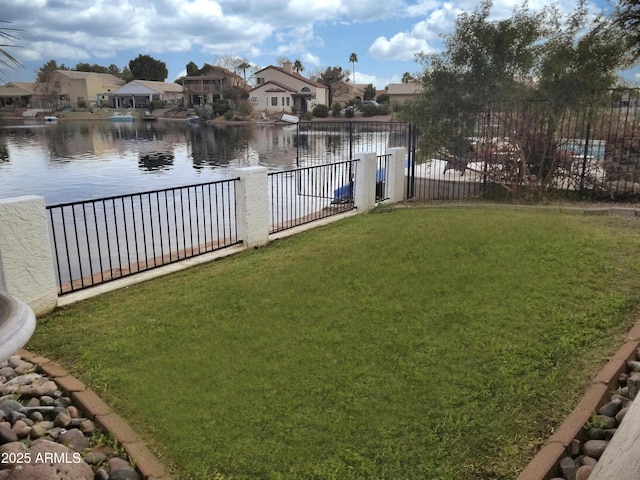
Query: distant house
pixel 281 89
pixel 80 89
pixel 400 93
pixel 140 94
pixel 208 83
pixel 343 92
pixel 627 99
pixel 21 95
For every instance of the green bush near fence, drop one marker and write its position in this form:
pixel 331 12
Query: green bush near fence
pixel 411 344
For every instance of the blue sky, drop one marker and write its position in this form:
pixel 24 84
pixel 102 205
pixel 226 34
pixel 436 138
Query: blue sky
pixel 384 34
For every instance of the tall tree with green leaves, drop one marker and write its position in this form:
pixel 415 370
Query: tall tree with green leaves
pixel 95 68
pixel 580 59
pixel 8 36
pixel 407 78
pixel 48 83
pixel 627 17
pixel 114 70
pixel 353 59
pixel 369 92
pixel 297 66
pixel 191 68
pixel 145 67
pixel 330 76
pixel 478 66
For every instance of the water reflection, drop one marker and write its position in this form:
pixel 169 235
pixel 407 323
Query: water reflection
pixel 76 160
pixel 82 160
pixel 153 161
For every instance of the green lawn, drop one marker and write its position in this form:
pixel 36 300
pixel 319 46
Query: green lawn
pixel 414 344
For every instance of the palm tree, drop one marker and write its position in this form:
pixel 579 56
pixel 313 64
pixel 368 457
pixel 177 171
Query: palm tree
pixel 407 77
pixel 7 36
pixel 297 66
pixel 353 58
pixel 244 65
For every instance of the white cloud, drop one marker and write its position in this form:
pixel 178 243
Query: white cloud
pixel 422 7
pixel 401 46
pixel 424 35
pixel 49 50
pixel 313 60
pixel 376 80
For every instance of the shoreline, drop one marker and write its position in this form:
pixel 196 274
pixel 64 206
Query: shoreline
pixel 103 115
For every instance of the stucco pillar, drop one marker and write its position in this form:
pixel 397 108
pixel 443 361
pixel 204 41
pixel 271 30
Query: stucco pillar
pixel 365 188
pixel 26 260
pixel 395 174
pixel 252 207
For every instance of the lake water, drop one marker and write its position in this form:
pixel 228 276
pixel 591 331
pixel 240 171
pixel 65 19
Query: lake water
pixel 75 160
pixel 83 160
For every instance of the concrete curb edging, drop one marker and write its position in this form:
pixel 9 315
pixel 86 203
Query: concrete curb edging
pixel 146 463
pixel 544 465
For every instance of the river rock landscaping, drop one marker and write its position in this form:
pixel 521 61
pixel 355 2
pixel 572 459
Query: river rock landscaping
pixel 583 454
pixel 44 436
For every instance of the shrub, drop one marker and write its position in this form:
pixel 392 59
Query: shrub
pixel 220 107
pixel 370 110
pixel 205 111
pixel 336 109
pixel 157 104
pixel 321 111
pixel 228 115
pixel 245 109
pixel 349 112
pixel 308 115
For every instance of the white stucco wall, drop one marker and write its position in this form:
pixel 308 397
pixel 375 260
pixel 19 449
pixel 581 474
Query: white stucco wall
pixel 365 191
pixel 26 261
pixel 252 206
pixel 395 174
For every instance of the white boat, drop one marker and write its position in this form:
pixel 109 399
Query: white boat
pixel 50 118
pixel 193 119
pixel 290 118
pixel 121 117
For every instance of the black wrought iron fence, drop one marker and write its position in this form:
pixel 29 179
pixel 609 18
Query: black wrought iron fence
pixel 382 177
pixel 307 194
pixel 532 150
pixel 101 240
pixel 332 142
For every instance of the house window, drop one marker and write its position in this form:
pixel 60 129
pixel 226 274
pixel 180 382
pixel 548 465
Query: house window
pixel 260 80
pixel 283 101
pixel 274 101
pixel 254 100
pixel 288 100
pixel 305 89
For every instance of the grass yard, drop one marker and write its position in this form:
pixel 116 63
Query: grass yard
pixel 414 344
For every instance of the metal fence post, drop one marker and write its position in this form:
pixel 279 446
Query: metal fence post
pixel 26 261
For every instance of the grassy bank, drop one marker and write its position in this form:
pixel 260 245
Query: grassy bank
pixel 412 344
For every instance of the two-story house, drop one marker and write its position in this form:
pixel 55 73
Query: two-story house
pixel 281 89
pixel 208 83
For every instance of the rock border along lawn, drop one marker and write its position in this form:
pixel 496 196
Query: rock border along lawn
pixel 572 451
pixel 75 411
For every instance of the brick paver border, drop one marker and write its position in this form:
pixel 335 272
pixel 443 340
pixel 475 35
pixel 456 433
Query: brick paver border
pixel 544 465
pixel 146 463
